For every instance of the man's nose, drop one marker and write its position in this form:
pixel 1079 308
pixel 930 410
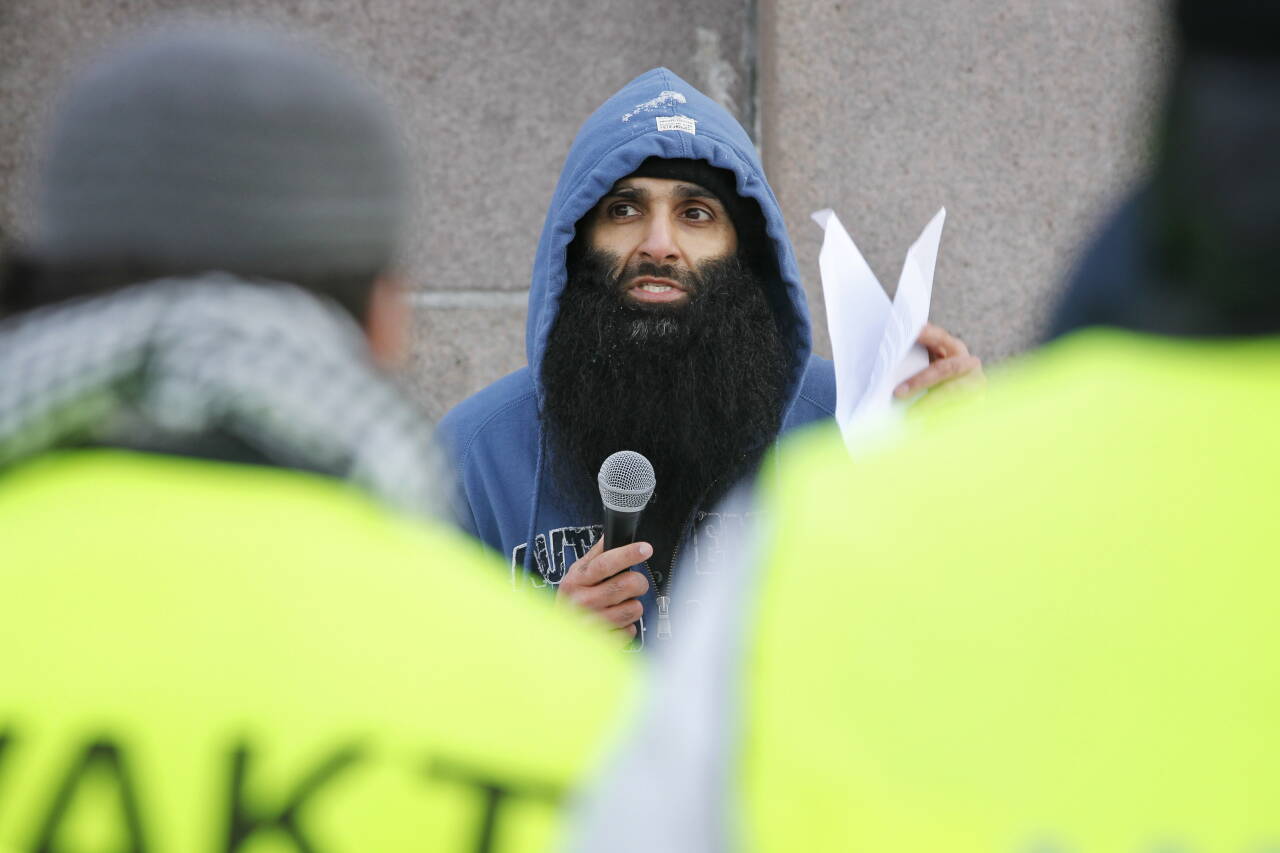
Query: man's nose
pixel 659 243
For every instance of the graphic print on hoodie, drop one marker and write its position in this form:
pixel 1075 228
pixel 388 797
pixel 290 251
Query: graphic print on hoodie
pixel 506 493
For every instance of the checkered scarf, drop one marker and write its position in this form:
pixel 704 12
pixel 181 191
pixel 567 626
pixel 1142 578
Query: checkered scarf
pixel 269 365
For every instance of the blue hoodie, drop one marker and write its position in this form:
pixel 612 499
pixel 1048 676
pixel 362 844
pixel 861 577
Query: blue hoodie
pixel 494 439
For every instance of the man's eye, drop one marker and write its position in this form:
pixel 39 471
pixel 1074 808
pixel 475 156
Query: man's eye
pixel 622 210
pixel 698 214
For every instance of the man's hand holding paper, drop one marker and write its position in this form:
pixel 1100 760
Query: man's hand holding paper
pixel 950 362
pixel 886 352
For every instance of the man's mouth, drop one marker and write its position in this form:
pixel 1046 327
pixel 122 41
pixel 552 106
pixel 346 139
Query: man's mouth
pixel 647 288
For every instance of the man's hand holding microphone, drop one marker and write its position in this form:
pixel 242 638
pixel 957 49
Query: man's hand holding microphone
pixel 599 580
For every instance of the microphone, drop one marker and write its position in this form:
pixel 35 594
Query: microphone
pixel 626 483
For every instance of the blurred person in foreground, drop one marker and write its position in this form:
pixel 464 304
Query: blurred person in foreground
pixel 666 316
pixel 1079 654
pixel 226 621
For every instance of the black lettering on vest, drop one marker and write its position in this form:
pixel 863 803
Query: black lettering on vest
pixel 495 793
pixel 247 819
pixel 100 756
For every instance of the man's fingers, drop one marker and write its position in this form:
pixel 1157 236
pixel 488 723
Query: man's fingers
pixel 940 343
pixel 582 562
pixel 939 372
pixel 608 563
pixel 624 614
pixel 611 591
pixel 576 575
pixel 573 577
pixel 600 582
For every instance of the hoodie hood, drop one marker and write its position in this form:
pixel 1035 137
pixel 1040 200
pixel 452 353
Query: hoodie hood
pixel 659 114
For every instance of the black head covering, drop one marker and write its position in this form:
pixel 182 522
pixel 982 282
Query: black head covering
pixel 1196 250
pixel 1242 28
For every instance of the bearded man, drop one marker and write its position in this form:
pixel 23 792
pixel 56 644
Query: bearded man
pixel 666 316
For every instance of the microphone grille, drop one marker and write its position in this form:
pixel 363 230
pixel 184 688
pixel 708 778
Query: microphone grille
pixel 626 481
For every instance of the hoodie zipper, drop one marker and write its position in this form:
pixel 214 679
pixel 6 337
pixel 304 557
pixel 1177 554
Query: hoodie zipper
pixel 664 597
pixel 664 589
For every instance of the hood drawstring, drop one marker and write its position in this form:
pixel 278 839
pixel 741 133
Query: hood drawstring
pixel 533 515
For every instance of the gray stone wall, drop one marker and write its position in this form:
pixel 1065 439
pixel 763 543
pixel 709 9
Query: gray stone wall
pixel 1023 118
pixel 1026 119
pixel 490 95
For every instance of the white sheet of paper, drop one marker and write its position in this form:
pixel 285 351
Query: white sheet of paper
pixel 873 340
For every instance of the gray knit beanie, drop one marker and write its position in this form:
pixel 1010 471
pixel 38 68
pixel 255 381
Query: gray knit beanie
pixel 207 147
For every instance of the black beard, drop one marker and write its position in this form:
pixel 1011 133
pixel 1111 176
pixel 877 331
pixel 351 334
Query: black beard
pixel 697 387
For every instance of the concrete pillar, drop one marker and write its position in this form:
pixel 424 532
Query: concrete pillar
pixel 1025 118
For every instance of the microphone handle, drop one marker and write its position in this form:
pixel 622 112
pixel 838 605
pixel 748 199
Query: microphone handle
pixel 620 527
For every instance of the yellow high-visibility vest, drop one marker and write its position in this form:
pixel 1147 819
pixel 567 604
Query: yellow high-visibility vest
pixel 197 656
pixel 1053 625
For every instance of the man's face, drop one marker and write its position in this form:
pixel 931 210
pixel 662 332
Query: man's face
pixel 665 335
pixel 660 231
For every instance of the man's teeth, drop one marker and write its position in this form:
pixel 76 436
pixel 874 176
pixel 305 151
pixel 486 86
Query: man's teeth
pixel 656 288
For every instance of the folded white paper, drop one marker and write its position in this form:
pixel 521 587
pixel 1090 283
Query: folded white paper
pixel 873 341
